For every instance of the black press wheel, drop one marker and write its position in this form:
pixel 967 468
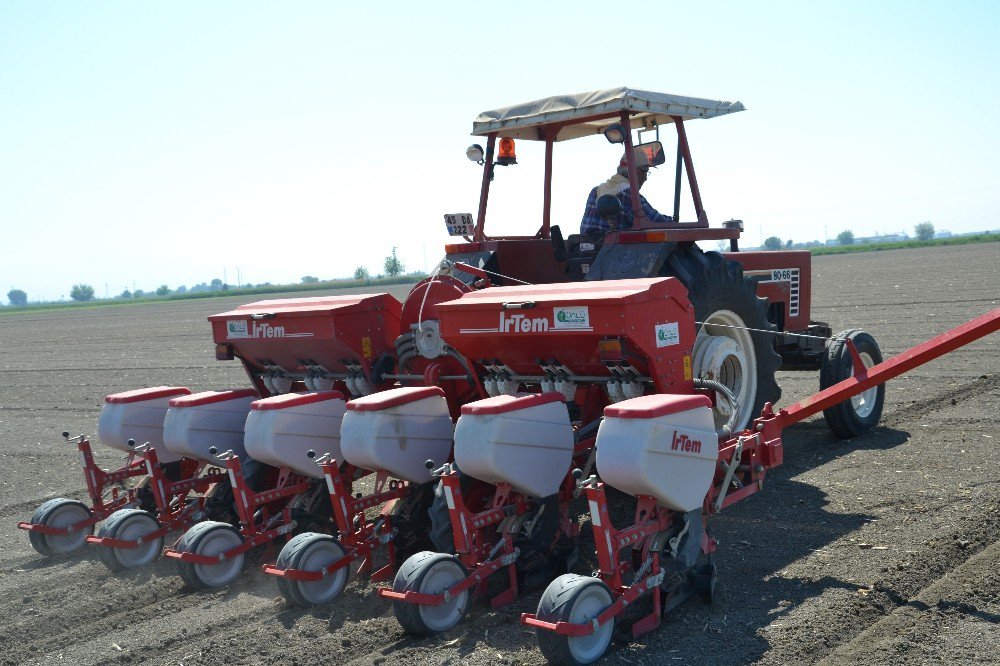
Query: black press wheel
pixel 60 512
pixel 211 538
pixel 130 525
pixel 727 304
pixel 576 599
pixel 430 573
pixel 858 414
pixel 312 552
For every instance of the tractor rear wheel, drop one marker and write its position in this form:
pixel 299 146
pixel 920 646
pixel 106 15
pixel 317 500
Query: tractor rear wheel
pixel 726 350
pixel 858 414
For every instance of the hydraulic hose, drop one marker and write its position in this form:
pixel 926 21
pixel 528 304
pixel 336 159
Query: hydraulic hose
pixel 723 390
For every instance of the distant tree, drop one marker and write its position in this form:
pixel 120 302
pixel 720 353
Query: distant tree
pixel 393 265
pixel 772 243
pixel 788 243
pixel 361 273
pixel 17 297
pixel 217 285
pixel 924 231
pixel 162 290
pixel 309 279
pixel 82 292
pixel 846 237
pixel 125 295
pixel 138 293
pixel 181 290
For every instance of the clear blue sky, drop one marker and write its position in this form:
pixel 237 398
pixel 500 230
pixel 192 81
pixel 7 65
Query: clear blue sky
pixel 155 143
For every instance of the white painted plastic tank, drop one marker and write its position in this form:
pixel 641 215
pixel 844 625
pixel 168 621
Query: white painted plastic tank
pixel 195 423
pixel 398 430
pixel 282 429
pixel 525 441
pixel 664 446
pixel 138 415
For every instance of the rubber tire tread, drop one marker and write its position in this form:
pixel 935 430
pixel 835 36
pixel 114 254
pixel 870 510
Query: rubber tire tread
pixel 713 283
pixel 189 544
pixel 109 528
pixel 408 578
pixel 556 605
pixel 41 515
pixel 289 558
pixel 837 366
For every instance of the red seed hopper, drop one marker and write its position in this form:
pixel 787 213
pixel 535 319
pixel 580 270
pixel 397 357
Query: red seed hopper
pixel 625 333
pixel 322 342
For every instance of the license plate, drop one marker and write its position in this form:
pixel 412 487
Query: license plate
pixel 459 224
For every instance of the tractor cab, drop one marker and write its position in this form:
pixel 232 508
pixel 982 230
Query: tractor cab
pixel 554 255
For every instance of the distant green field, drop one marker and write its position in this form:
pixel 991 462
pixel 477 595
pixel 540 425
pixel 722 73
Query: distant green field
pixel 901 245
pixel 269 289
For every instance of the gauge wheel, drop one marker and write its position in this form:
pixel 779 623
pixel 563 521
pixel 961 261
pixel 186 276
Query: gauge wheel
pixel 860 413
pixel 60 512
pixel 211 538
pixel 575 599
pixel 430 573
pixel 130 525
pixel 312 552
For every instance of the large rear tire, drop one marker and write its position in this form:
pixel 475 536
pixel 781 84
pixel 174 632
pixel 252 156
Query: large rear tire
pixel 575 599
pixel 858 414
pixel 725 350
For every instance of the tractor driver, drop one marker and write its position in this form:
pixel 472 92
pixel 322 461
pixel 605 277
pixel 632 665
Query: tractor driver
pixel 592 223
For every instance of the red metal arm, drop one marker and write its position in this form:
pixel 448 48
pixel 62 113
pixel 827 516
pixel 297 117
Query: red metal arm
pixel 895 366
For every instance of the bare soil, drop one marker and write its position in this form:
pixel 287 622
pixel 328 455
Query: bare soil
pixel 879 549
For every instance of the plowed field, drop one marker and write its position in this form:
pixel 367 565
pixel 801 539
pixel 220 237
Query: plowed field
pixel 879 549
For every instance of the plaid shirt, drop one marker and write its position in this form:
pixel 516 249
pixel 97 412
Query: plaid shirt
pixel 595 226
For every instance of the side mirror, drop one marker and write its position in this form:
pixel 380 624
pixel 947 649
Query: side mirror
pixel 653 152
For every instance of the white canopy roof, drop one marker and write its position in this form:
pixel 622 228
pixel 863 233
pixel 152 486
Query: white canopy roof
pixel 524 121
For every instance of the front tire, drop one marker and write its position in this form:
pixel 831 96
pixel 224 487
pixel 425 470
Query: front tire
pixel 860 413
pixel 575 599
pixel 430 573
